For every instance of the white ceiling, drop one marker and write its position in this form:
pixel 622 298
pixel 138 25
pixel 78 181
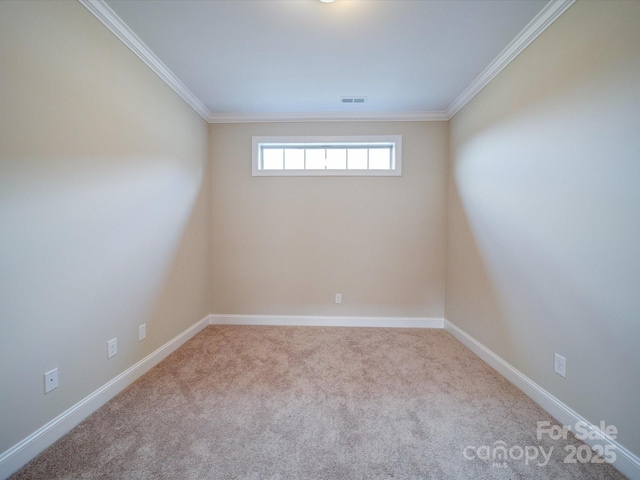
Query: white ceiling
pixel 260 58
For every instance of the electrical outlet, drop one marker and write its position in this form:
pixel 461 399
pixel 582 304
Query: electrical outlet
pixel 51 380
pixel 560 365
pixel 142 332
pixel 338 298
pixel 112 347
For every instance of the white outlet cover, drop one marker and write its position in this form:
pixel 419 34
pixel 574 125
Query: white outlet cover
pixel 51 380
pixel 560 365
pixel 338 298
pixel 142 332
pixel 112 347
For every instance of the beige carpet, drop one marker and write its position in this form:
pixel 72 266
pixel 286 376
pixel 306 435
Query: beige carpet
pixel 313 403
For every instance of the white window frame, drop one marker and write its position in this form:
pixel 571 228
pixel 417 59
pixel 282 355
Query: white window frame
pixel 335 142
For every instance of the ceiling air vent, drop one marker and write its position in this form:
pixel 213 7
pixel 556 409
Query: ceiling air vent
pixel 354 99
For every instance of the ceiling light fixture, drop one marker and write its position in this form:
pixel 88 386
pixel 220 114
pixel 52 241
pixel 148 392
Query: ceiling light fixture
pixel 327 1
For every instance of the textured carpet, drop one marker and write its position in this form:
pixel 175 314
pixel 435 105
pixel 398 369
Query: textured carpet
pixel 314 403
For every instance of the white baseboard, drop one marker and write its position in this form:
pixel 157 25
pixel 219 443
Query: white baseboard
pixel 315 321
pixel 626 461
pixel 18 455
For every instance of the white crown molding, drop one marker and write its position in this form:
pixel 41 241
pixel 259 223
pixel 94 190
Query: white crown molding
pixel 541 22
pixel 113 22
pixel 434 116
pixel 534 28
pixel 626 461
pixel 120 29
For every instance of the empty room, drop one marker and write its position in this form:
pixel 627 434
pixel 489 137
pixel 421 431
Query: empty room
pixel 314 239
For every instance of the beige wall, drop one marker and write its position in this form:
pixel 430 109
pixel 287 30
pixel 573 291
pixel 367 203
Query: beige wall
pixel 286 245
pixel 103 210
pixel 106 215
pixel 544 213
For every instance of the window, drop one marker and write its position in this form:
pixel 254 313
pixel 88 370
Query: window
pixel 377 155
